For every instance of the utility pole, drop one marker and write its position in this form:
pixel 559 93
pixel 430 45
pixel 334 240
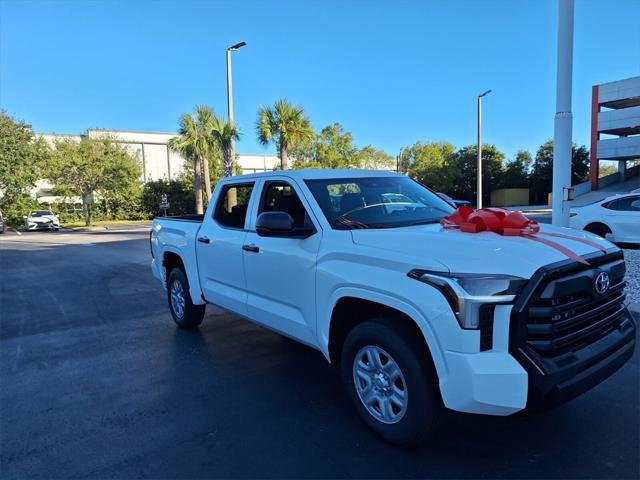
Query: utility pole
pixel 479 199
pixel 232 48
pixel 563 123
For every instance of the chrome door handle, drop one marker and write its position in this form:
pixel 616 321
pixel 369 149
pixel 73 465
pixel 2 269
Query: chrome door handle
pixel 251 248
pixel 204 240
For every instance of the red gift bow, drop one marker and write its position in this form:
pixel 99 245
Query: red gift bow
pixel 508 223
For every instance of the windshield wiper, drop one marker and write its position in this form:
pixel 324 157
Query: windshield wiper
pixel 423 222
pixel 351 223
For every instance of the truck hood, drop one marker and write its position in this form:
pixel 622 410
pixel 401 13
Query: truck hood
pixel 485 252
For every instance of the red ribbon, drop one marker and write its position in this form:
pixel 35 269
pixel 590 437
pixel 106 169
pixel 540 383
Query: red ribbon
pixel 511 224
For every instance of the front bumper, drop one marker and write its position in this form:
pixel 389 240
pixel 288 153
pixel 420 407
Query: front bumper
pixel 42 226
pixel 490 383
pixel 509 377
pixel 553 383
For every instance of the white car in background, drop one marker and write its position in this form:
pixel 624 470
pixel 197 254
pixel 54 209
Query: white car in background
pixel 615 218
pixel 41 220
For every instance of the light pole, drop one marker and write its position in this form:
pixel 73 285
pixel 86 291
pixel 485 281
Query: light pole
pixel 232 48
pixel 479 199
pixel 563 122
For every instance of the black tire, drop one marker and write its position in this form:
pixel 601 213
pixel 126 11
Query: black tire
pixel 424 410
pixel 190 315
pixel 599 229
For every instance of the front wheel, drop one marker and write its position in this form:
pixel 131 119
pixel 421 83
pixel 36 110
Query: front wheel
pixel 183 311
pixel 391 381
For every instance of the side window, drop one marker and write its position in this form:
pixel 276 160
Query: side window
pixel 231 210
pixel 629 204
pixel 281 197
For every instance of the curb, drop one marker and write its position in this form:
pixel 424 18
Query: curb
pixel 109 230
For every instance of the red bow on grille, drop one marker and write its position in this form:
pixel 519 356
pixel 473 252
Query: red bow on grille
pixel 508 223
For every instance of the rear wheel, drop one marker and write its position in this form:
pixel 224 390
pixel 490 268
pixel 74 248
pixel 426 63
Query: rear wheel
pixel 599 229
pixel 183 311
pixel 391 381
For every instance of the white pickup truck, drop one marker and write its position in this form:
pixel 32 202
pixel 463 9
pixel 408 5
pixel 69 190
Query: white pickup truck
pixel 356 265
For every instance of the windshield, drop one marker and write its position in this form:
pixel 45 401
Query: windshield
pixel 377 202
pixel 41 213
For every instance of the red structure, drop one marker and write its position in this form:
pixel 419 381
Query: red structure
pixel 594 169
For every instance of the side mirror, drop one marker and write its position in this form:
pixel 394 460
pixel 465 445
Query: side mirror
pixel 280 224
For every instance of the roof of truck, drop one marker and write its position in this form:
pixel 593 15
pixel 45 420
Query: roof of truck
pixel 319 173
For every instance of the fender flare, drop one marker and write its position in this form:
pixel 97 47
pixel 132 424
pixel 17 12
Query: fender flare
pixel 194 283
pixel 397 303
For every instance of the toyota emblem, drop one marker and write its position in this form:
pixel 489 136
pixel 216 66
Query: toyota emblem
pixel 602 282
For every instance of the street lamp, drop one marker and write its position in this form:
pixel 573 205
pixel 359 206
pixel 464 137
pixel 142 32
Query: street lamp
pixel 479 199
pixel 232 48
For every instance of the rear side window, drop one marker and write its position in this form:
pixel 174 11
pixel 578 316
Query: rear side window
pixel 629 204
pixel 231 209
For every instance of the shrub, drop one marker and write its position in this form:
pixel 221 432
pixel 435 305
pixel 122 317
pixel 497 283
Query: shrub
pixel 15 208
pixel 180 194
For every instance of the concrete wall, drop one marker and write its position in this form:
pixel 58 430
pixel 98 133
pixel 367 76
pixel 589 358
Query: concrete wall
pixel 509 197
pixel 619 148
pixel 619 90
pixel 616 120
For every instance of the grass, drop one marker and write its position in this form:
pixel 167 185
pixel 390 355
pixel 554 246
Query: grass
pixel 102 223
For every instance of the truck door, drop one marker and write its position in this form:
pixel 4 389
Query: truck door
pixel 219 248
pixel 281 271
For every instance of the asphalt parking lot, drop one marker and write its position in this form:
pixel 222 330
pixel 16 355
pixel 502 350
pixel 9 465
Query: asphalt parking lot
pixel 97 382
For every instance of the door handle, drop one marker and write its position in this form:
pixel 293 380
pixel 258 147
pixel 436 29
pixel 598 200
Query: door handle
pixel 251 248
pixel 204 240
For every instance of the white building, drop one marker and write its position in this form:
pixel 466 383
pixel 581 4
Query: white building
pixel 157 160
pixel 152 150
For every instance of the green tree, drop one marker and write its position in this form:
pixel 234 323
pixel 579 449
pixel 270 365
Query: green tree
pixel 93 165
pixel 22 157
pixel 516 172
pixel 286 125
pixel 434 164
pixel 224 134
pixel 579 164
pixel 372 159
pixel 541 178
pixel 467 165
pixel 333 148
pixel 607 169
pixel 196 143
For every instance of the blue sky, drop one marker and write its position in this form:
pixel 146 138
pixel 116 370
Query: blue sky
pixel 392 72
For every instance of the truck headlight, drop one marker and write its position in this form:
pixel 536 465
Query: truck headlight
pixel 467 292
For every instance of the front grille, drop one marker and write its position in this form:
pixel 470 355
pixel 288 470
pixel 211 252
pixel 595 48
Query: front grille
pixel 565 334
pixel 560 312
pixel 566 313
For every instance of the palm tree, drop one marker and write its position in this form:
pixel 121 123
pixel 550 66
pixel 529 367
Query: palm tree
pixel 224 133
pixel 196 143
pixel 286 125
